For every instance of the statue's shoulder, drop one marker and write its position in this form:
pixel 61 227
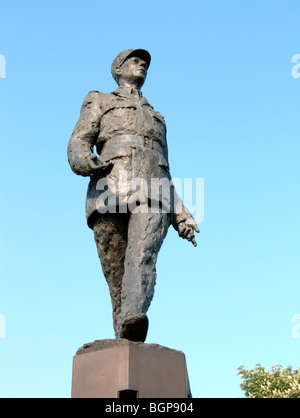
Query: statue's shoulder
pixel 94 99
pixel 98 96
pixel 97 101
pixel 91 99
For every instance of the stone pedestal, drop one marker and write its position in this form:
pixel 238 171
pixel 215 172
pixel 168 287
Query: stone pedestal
pixel 126 369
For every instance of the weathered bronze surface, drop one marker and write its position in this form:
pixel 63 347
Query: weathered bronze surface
pixel 120 142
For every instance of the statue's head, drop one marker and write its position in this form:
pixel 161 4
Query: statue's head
pixel 130 67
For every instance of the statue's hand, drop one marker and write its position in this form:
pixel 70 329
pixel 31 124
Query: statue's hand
pixel 96 167
pixel 93 162
pixel 186 230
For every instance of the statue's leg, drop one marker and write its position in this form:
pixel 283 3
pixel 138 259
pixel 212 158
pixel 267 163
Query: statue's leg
pixel 146 232
pixel 110 232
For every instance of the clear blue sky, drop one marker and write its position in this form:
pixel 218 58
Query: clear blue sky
pixel 221 74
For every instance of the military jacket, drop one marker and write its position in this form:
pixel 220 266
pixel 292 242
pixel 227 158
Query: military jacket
pixel 129 136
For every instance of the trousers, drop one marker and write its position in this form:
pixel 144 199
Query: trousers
pixel 128 245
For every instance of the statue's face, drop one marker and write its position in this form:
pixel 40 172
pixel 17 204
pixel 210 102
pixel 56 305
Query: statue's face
pixel 133 71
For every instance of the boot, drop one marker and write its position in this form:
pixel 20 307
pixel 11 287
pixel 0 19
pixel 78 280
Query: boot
pixel 135 328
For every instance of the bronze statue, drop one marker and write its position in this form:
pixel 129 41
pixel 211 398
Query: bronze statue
pixel 129 225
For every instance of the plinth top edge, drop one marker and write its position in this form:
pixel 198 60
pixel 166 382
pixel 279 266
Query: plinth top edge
pixel 111 343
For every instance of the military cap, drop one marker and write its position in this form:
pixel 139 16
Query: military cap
pixel 128 53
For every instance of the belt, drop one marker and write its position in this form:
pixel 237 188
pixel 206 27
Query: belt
pixel 143 141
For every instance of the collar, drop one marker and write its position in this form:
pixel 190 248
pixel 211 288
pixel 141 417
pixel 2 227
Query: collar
pixel 127 91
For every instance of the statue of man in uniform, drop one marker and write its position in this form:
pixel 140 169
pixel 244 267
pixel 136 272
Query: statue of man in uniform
pixel 129 138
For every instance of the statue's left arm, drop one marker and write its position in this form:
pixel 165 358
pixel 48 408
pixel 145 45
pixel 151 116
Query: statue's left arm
pixel 181 219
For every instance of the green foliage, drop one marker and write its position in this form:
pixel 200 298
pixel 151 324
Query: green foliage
pixel 279 382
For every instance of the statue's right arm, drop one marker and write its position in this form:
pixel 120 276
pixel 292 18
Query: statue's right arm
pixel 80 148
